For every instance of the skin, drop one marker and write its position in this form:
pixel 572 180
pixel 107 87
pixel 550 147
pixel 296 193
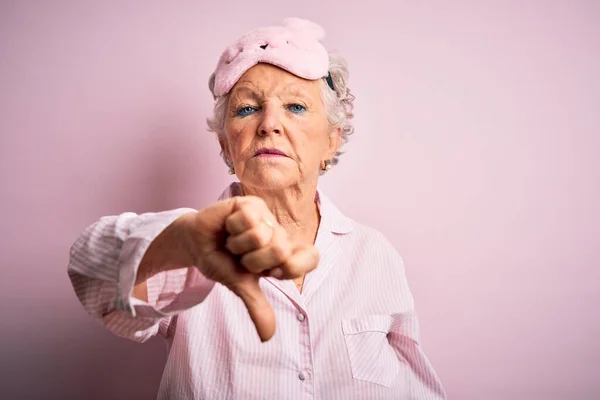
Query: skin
pixel 270 231
pixel 270 107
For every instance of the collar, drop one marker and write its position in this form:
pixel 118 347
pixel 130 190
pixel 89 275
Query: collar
pixel 331 217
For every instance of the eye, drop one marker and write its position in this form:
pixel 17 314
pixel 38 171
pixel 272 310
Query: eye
pixel 297 108
pixel 245 111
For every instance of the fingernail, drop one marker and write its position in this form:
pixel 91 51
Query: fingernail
pixel 276 273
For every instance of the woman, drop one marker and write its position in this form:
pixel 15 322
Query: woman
pixel 212 281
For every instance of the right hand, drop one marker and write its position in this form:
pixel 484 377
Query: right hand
pixel 236 242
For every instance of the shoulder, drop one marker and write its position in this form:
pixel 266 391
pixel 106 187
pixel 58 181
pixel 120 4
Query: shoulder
pixel 374 242
pixel 365 232
pixel 359 240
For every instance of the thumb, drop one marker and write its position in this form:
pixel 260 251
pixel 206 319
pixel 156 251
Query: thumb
pixel 260 310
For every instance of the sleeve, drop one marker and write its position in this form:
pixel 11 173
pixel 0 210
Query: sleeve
pixel 404 336
pixel 424 382
pixel 103 266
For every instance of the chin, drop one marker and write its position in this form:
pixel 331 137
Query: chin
pixel 270 179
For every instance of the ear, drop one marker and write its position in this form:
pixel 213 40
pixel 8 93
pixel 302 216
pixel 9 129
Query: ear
pixel 335 141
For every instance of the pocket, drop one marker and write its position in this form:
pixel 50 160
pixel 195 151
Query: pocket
pixel 372 358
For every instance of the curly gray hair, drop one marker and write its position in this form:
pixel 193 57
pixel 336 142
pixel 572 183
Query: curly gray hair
pixel 339 105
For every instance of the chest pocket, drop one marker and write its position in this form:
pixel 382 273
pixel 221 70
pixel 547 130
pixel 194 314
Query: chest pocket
pixel 372 358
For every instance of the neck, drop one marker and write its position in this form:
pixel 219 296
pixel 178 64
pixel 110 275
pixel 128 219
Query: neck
pixel 294 208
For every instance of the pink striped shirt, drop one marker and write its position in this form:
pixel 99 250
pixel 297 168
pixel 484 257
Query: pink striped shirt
pixel 351 334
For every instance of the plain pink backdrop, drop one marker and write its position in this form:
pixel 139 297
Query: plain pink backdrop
pixel 476 152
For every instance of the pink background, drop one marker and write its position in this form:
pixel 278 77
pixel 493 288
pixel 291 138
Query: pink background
pixel 476 152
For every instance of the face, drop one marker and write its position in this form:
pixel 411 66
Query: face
pixel 276 131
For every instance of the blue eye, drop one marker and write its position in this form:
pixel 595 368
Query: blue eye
pixel 245 111
pixel 297 108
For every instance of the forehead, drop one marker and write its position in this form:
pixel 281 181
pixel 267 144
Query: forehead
pixel 267 79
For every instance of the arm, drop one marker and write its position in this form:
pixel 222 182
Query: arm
pixel 165 253
pixel 115 253
pixel 404 338
pixel 404 335
pixel 134 272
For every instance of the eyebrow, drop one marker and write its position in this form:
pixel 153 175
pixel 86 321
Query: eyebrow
pixel 246 89
pixel 297 89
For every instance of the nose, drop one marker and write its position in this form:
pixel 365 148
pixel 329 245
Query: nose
pixel 271 122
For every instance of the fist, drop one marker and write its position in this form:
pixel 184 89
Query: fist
pixel 236 242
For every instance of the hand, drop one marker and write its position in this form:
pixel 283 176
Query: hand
pixel 237 241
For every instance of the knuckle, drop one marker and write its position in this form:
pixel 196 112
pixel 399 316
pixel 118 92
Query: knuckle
pixel 230 223
pixel 257 238
pixel 233 245
pixel 246 262
pixel 292 269
pixel 281 252
pixel 247 218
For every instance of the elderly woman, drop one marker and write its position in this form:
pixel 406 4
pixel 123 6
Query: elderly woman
pixel 271 292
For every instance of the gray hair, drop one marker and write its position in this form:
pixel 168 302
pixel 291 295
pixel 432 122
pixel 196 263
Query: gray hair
pixel 339 105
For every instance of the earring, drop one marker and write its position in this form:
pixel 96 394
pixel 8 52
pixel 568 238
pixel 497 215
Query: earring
pixel 231 167
pixel 326 165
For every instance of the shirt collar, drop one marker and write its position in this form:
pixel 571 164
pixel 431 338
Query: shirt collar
pixel 331 217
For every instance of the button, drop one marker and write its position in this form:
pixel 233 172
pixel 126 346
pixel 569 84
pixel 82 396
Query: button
pixel 300 317
pixel 301 376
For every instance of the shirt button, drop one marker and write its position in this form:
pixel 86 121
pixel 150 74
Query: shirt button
pixel 300 317
pixel 301 376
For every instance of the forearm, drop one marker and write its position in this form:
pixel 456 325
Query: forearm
pixel 144 254
pixel 105 258
pixel 166 252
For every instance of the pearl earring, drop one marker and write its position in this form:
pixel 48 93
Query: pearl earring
pixel 326 165
pixel 231 167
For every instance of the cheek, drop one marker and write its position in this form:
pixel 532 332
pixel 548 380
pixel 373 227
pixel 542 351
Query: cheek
pixel 315 139
pixel 239 136
pixel 310 149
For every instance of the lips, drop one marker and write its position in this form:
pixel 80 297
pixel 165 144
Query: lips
pixel 270 151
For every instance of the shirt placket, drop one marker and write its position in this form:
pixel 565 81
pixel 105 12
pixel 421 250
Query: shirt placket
pixel 306 372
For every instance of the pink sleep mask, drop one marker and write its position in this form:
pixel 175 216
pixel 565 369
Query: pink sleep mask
pixel 294 46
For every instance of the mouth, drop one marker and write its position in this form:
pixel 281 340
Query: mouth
pixel 269 152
